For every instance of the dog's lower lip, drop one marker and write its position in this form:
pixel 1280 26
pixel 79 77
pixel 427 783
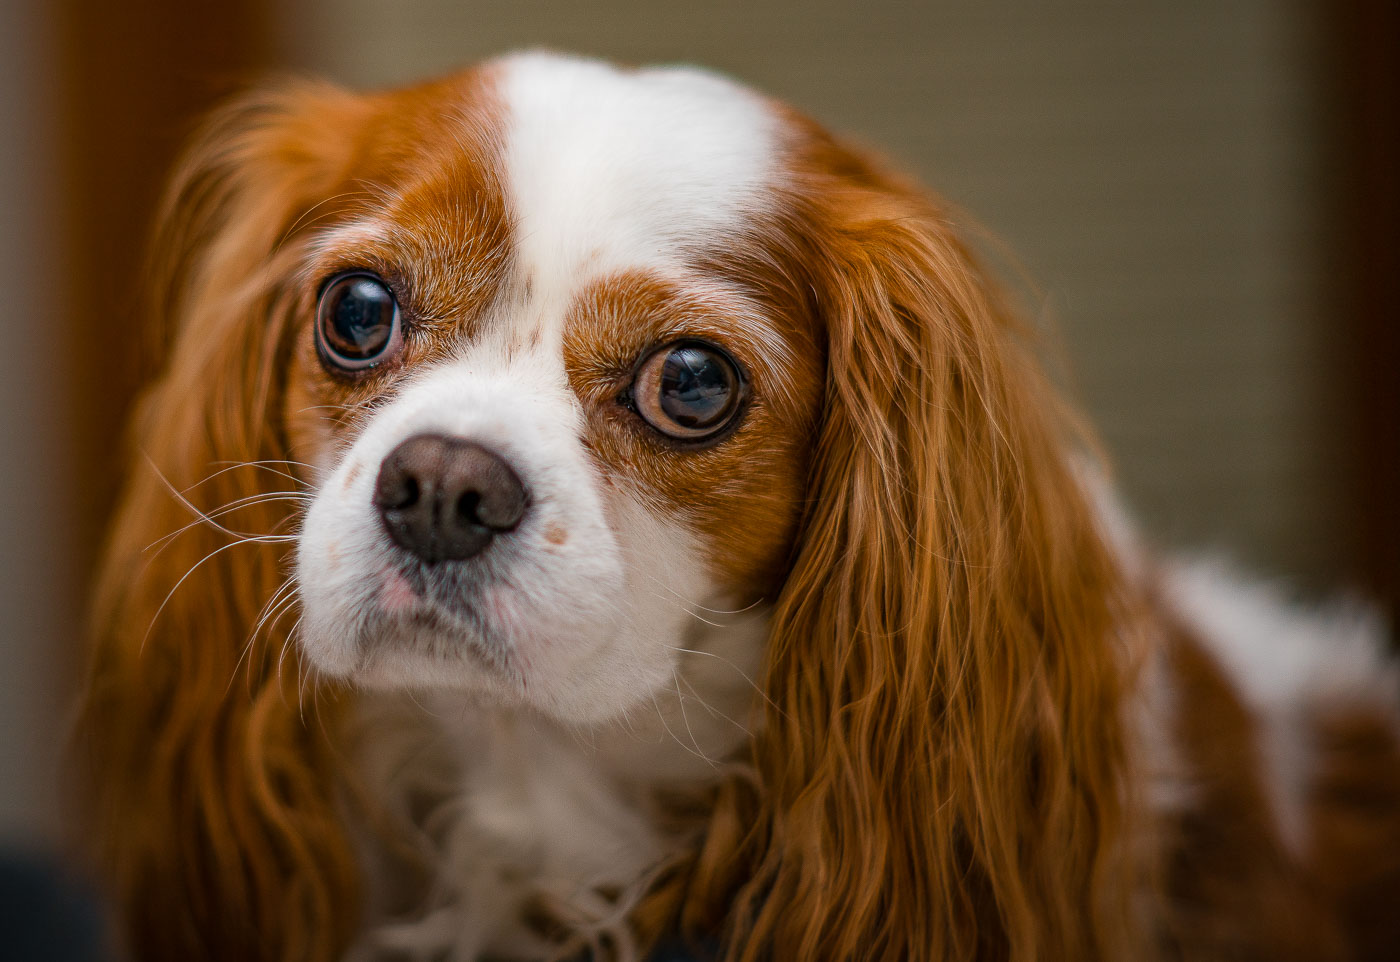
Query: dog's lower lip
pixel 458 628
pixel 403 596
pixel 406 596
pixel 397 595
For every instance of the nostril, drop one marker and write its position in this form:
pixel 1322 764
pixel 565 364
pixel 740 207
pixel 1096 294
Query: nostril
pixel 396 489
pixel 467 506
pixel 406 495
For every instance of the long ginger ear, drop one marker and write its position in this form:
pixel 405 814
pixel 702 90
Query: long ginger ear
pixel 940 773
pixel 211 799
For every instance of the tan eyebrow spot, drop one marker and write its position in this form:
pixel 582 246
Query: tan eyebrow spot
pixel 741 498
pixel 556 534
pixel 619 315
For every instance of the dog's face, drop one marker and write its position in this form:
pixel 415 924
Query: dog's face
pixel 556 410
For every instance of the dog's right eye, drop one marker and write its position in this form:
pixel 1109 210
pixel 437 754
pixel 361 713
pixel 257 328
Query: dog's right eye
pixel 357 323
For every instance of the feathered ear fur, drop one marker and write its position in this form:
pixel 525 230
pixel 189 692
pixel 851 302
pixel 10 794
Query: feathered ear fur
pixel 941 771
pixel 210 793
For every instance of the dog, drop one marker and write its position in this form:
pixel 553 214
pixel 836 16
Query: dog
pixel 582 509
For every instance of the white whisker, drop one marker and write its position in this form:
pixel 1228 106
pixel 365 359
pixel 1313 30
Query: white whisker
pixel 680 701
pixel 273 604
pixel 250 501
pixel 179 496
pixel 183 578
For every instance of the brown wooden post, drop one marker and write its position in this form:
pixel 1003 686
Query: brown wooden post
pixel 136 74
pixel 1363 70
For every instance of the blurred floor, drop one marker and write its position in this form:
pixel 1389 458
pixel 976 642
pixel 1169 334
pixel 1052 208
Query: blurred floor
pixel 45 914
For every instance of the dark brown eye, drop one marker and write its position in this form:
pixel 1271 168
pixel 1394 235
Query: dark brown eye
pixel 357 322
pixel 689 390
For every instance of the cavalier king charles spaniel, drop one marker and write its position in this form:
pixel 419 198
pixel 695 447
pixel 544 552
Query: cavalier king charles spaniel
pixel 582 510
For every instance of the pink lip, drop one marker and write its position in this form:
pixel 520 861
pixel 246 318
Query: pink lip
pixel 397 595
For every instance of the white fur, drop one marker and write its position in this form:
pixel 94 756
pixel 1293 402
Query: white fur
pixel 601 666
pixel 512 806
pixel 1164 780
pixel 575 624
pixel 1285 662
pixel 610 169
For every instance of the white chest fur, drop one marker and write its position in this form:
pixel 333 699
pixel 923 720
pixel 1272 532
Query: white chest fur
pixel 505 814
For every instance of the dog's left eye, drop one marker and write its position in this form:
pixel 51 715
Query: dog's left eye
pixel 689 390
pixel 357 322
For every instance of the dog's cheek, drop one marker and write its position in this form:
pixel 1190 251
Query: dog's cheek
pixel 333 557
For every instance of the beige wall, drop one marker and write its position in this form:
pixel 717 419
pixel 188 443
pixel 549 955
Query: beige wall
pixel 1152 166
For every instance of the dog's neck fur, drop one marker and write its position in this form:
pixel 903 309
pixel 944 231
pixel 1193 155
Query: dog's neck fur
pixel 507 818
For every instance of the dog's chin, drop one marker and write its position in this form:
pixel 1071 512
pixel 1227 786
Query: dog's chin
pixel 457 650
pixel 436 646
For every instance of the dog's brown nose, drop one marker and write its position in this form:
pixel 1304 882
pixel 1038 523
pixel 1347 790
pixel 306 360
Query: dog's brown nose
pixel 444 499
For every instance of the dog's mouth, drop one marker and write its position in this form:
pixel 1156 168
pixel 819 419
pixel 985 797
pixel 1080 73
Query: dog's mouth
pixel 455 592
pixel 437 613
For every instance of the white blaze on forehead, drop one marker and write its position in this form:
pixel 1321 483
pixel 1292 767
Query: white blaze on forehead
pixel 609 169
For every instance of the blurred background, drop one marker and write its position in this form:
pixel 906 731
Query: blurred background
pixel 1203 193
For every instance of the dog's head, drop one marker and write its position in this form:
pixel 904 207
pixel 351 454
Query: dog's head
pixel 557 400
pixel 533 376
